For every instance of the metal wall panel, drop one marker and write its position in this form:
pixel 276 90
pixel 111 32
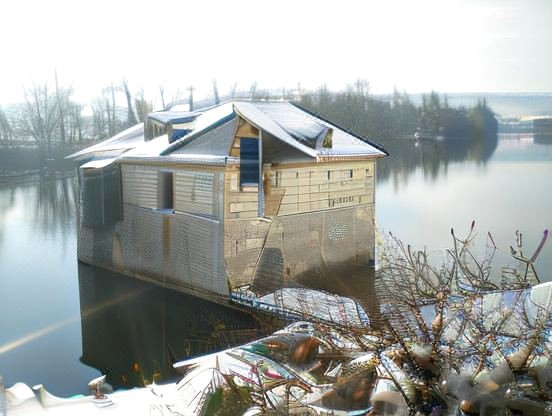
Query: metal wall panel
pixel 100 196
pixel 178 248
pixel 194 192
pixel 140 185
pixel 85 243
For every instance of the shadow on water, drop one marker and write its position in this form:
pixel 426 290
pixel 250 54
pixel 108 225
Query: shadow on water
pixel 134 331
pixel 432 155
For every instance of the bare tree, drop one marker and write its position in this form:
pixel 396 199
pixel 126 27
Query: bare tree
pixel 162 94
pixel 253 90
pixel 6 130
pixel 100 115
pixel 233 89
pixel 40 116
pixel 215 92
pixel 142 106
pixel 62 104
pixel 132 119
pixel 76 123
pixel 109 94
pixel 191 98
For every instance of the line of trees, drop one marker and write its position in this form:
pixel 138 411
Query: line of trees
pixel 50 116
pixel 355 108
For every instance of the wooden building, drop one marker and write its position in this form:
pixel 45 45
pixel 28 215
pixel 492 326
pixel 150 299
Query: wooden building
pixel 245 195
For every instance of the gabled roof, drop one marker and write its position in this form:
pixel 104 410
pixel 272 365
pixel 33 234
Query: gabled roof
pixel 289 123
pixel 254 113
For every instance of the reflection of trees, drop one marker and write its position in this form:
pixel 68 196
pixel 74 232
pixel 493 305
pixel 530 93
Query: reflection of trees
pixel 54 208
pixel 49 205
pixel 432 156
pixel 7 199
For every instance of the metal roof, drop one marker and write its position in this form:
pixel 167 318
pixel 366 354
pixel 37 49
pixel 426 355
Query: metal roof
pixel 179 159
pixel 173 117
pixel 284 121
pixel 204 123
pixel 300 125
pixel 123 141
pixel 259 118
pixel 217 141
pixel 98 163
pixel 288 123
pixel 345 139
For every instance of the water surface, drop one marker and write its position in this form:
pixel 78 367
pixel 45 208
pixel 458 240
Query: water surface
pixel 62 324
pixel 509 191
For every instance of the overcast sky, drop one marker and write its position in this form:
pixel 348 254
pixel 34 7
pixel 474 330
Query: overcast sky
pixel 423 45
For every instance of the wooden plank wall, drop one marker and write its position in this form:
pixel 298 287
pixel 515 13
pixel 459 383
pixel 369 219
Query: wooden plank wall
pixel 239 203
pixel 321 187
pixel 303 189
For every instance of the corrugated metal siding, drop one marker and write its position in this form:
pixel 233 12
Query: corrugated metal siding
pixel 100 196
pixel 180 248
pixel 95 245
pixel 140 185
pixel 91 198
pixel 200 242
pixel 194 192
pixel 85 243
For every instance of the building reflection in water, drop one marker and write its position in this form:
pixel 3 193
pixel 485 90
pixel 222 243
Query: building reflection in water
pixel 133 331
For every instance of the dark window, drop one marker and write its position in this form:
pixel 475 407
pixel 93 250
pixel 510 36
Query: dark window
pixel 165 190
pixel 249 162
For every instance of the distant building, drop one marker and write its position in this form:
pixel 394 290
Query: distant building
pixel 542 129
pixel 245 195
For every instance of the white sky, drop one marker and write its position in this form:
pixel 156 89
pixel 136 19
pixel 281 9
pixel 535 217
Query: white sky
pixel 444 45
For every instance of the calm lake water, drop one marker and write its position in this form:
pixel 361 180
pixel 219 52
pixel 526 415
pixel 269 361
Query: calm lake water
pixel 62 324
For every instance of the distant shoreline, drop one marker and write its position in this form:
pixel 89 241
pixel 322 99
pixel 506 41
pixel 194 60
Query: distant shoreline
pixel 24 161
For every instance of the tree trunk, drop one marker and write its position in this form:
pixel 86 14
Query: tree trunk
pixel 131 116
